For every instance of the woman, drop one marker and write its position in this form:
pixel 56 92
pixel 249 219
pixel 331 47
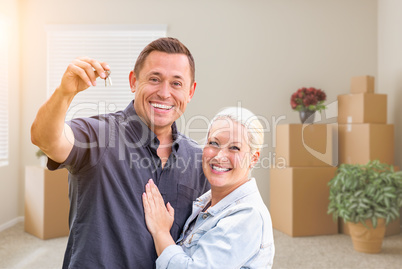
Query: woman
pixel 230 227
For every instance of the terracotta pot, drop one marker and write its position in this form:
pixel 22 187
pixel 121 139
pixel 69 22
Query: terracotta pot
pixel 367 240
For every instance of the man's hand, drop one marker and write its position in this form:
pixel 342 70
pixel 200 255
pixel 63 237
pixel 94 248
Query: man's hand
pixel 48 130
pixel 81 74
pixel 158 217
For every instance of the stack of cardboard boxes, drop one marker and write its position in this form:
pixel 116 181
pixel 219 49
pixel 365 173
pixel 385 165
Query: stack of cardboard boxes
pixel 364 134
pixel 304 164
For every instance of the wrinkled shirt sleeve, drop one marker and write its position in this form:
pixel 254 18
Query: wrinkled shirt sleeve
pixel 235 240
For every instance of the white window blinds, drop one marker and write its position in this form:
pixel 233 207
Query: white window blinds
pixel 118 45
pixel 3 96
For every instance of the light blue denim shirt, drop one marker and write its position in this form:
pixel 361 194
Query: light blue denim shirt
pixel 234 233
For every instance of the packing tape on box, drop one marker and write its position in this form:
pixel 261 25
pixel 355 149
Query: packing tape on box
pixel 348 128
pixel 349 119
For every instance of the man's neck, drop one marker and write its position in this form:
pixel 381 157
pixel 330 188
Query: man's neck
pixel 164 135
pixel 165 138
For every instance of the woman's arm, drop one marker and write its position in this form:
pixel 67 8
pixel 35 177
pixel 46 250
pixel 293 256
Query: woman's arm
pixel 158 217
pixel 234 241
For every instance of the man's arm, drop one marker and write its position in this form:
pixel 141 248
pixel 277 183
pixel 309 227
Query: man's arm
pixel 48 131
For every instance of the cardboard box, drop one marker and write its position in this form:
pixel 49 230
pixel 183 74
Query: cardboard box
pixel 361 143
pixel 303 145
pixel 362 84
pixel 362 108
pixel 299 200
pixel 46 202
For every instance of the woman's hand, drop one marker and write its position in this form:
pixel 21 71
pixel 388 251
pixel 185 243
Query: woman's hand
pixel 158 217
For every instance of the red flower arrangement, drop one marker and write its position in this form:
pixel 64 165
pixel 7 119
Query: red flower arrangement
pixel 308 99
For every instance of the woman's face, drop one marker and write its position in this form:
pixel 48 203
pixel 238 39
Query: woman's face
pixel 226 157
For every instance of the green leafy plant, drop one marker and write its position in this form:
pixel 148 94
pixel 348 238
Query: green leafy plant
pixel 361 192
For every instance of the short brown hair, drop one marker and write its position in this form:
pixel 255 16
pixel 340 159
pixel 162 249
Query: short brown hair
pixel 168 45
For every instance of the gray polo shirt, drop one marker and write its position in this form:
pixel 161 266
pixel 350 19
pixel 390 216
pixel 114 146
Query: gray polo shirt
pixel 113 158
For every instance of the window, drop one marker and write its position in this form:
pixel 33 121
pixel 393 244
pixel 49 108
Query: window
pixel 118 45
pixel 3 95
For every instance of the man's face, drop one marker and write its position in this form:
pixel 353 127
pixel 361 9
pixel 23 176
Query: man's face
pixel 162 89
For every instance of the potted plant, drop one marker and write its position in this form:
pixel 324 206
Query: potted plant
pixel 307 101
pixel 367 197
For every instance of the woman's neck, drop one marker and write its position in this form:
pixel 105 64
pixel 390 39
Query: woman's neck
pixel 218 193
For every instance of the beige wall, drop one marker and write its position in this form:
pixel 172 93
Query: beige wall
pixel 10 176
pixel 254 52
pixel 390 65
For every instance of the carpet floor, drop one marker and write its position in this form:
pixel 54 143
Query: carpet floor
pixel 20 250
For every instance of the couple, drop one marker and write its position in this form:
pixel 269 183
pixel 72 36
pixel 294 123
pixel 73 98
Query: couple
pixel 107 204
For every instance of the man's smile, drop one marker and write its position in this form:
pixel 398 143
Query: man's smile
pixel 160 106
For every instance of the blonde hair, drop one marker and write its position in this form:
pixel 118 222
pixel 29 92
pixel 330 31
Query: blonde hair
pixel 248 120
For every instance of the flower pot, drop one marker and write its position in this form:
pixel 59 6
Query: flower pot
pixel 307 116
pixel 367 240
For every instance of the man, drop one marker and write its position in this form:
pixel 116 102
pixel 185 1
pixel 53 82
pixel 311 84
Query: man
pixel 111 157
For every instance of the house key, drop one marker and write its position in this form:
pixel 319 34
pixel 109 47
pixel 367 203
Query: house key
pixel 108 79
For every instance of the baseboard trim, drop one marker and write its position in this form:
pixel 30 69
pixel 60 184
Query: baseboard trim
pixel 11 223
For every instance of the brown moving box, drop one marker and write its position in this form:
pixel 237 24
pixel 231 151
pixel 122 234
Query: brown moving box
pixel 306 145
pixel 362 84
pixel 362 108
pixel 361 143
pixel 46 202
pixel 299 200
